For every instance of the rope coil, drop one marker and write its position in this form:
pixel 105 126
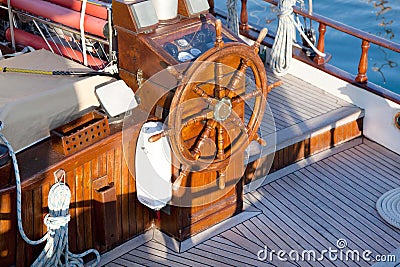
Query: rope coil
pixel 55 252
pixel 281 52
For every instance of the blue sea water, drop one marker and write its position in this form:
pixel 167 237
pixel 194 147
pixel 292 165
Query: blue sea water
pixel 379 17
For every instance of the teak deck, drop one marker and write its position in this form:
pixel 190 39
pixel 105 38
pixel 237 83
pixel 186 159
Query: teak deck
pixel 306 209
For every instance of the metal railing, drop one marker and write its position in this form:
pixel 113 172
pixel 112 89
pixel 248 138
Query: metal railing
pixel 65 41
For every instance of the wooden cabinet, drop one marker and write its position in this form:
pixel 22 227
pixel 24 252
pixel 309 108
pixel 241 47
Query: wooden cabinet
pixel 179 41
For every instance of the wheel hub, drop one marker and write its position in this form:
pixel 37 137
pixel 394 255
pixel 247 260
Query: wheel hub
pixel 223 109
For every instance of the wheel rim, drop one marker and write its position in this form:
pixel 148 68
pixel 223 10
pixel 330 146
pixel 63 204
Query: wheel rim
pixel 230 64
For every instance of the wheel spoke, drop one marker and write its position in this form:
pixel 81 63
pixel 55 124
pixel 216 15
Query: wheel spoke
pixel 237 77
pixel 242 98
pixel 261 141
pixel 218 33
pixel 261 36
pixel 221 179
pixel 199 118
pixel 210 100
pixel 184 173
pixel 219 90
pixel 210 125
pixel 220 142
pixel 158 136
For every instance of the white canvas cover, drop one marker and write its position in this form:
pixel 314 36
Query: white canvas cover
pixel 153 167
pixel 33 104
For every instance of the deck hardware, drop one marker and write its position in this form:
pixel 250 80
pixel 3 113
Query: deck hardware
pixel 397 120
pixel 139 77
pixel 221 179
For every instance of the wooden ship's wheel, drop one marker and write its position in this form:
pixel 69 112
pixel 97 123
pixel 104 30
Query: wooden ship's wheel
pixel 209 105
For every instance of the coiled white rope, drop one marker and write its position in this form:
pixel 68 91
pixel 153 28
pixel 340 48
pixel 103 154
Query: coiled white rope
pixel 56 252
pixel 388 207
pixel 232 19
pixel 281 52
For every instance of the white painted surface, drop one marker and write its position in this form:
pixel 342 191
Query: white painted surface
pixel 153 168
pixel 379 112
pixel 166 9
pixel 116 98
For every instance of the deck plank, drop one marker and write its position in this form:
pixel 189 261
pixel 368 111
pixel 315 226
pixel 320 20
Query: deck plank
pixel 237 250
pixel 382 150
pixel 229 256
pixel 357 171
pixel 329 223
pixel 139 257
pixel 307 96
pixel 310 90
pixel 308 103
pixel 194 258
pixel 115 264
pixel 354 197
pixel 376 167
pixel 340 209
pixel 224 241
pixel 380 159
pixel 289 236
pixel 348 172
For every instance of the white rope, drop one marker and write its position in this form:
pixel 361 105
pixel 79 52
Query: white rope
pixel 11 19
pixel 82 28
pixel 232 19
pixel 299 28
pixel 388 207
pixel 55 252
pixel 281 52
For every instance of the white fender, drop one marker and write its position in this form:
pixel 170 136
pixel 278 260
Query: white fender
pixel 153 168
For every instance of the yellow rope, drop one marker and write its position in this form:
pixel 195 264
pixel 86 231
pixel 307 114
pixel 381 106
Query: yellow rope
pixel 44 72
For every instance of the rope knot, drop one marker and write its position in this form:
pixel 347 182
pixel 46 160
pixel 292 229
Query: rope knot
pixel 54 223
pixel 231 4
pixel 285 11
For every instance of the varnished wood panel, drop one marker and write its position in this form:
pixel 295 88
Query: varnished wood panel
pixel 303 149
pixel 183 222
pixel 8 231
